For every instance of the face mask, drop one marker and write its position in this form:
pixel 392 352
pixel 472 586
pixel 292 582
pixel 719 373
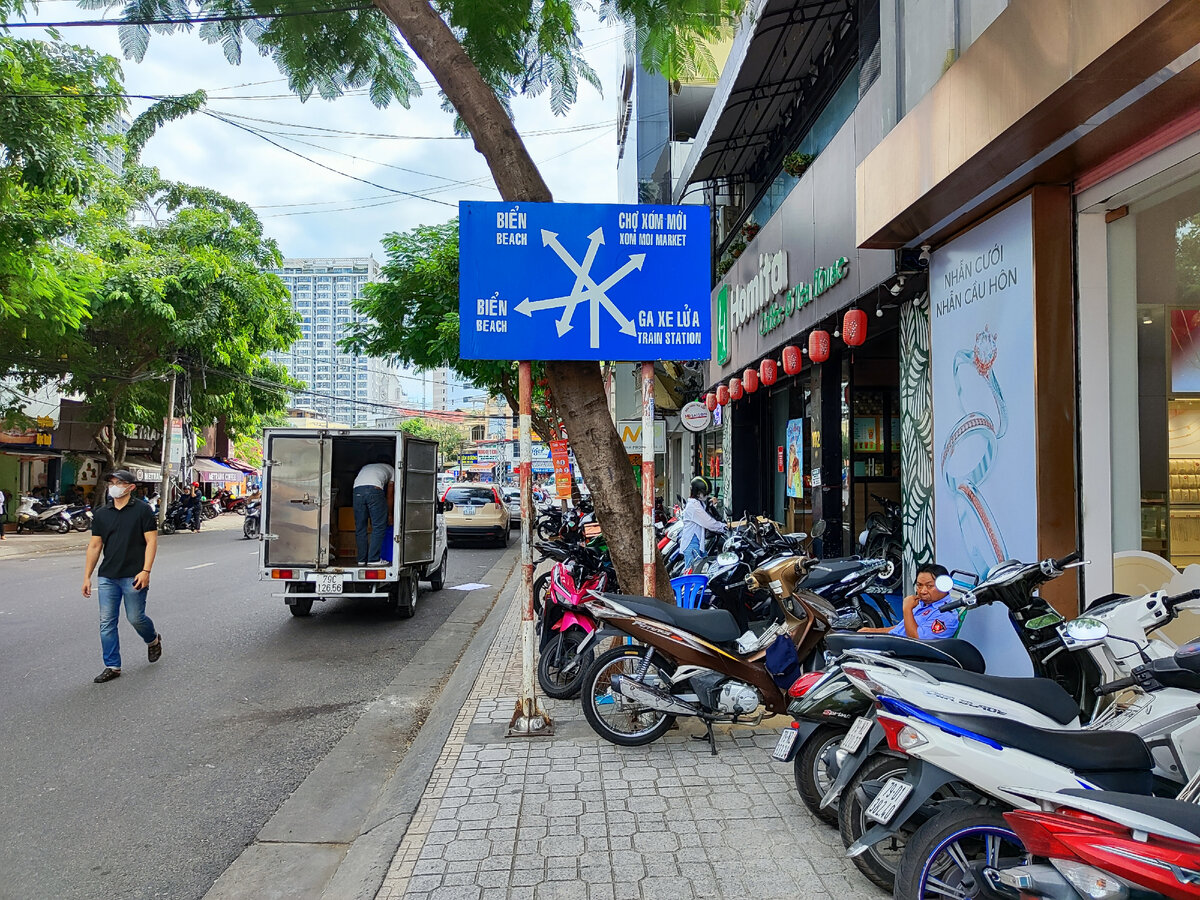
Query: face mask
pixel 117 491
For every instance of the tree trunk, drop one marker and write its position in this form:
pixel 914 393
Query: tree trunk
pixel 577 387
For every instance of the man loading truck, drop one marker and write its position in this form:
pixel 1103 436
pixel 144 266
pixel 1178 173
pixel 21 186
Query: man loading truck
pixel 374 488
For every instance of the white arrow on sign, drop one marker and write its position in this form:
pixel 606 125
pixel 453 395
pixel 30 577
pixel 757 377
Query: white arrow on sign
pixel 585 288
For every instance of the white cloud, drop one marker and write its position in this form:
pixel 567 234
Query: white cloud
pixel 578 166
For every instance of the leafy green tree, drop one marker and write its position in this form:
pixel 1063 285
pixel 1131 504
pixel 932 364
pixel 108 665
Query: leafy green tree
pixel 413 319
pixel 450 437
pixel 56 103
pixel 482 53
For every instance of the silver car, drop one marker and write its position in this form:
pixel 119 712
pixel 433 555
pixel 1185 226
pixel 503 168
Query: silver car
pixel 512 499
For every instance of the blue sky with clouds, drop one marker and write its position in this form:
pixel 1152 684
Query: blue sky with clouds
pixel 311 211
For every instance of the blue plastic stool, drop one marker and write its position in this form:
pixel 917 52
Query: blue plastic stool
pixel 688 590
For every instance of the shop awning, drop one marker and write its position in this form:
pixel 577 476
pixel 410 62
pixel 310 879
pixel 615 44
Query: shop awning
pixel 769 87
pixel 241 466
pixel 211 471
pixel 144 470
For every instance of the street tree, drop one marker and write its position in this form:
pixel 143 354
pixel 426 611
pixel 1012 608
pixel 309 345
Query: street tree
pixel 412 319
pixel 186 292
pixel 449 436
pixel 482 54
pixel 56 102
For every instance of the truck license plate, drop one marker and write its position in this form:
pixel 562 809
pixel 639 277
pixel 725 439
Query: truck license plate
pixel 784 747
pixel 858 731
pixel 329 584
pixel 888 800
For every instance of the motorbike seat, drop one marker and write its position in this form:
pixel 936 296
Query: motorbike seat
pixel 1046 696
pixel 830 571
pixel 949 651
pixel 1113 760
pixel 717 625
pixel 1173 812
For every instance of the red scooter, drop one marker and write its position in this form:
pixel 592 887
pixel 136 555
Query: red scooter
pixel 1103 844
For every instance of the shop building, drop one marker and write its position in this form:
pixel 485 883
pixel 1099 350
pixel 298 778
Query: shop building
pixel 800 433
pixel 1059 214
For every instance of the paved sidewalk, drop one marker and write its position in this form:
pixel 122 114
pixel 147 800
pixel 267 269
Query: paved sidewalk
pixel 572 817
pixel 25 546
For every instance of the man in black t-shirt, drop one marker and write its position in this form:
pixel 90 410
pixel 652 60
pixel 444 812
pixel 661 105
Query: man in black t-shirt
pixel 126 530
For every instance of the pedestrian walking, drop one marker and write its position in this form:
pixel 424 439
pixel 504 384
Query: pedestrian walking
pixel 126 530
pixel 3 512
pixel 373 492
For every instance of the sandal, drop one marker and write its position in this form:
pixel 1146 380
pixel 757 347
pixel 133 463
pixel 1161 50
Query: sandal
pixel 154 648
pixel 108 674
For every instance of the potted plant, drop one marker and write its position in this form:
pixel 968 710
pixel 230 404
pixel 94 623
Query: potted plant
pixel 736 248
pixel 749 230
pixel 795 163
pixel 724 264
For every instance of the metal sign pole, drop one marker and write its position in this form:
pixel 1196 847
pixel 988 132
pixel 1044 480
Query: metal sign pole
pixel 648 541
pixel 165 482
pixel 527 718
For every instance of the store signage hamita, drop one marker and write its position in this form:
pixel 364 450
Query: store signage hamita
pixel 739 304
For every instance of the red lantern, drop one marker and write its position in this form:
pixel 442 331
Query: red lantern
pixel 768 372
pixel 818 346
pixel 710 400
pixel 722 394
pixel 735 389
pixel 854 327
pixel 791 359
pixel 750 380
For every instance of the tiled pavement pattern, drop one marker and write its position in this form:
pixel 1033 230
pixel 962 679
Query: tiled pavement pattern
pixel 572 817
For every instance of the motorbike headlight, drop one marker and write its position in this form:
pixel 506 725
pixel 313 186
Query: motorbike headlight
pixel 727 558
pixel 862 538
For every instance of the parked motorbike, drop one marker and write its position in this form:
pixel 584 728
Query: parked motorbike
pixel 882 538
pixel 1089 844
pixel 250 526
pixel 49 517
pixel 697 662
pixel 566 649
pixel 225 502
pixel 80 517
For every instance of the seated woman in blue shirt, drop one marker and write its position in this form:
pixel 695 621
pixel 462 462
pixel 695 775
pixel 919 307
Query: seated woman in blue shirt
pixel 924 617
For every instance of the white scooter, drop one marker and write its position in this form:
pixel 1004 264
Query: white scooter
pixel 973 760
pixel 52 518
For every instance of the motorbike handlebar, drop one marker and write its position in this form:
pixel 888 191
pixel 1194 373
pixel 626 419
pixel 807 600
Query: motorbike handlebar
pixel 1073 556
pixel 1111 687
pixel 1172 602
pixel 956 603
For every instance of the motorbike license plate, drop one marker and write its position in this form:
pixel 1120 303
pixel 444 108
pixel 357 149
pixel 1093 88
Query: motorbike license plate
pixel 857 733
pixel 888 800
pixel 468 510
pixel 784 746
pixel 329 584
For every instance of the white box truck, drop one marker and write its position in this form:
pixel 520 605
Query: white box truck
pixel 308 529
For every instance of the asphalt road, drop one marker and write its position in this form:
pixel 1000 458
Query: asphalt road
pixel 152 784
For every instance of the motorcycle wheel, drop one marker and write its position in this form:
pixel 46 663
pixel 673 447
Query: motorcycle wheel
pixel 541 587
pixel 893 552
pixel 210 512
pixel 240 509
pixel 812 777
pixel 947 855
pixel 615 719
pixel 81 523
pixel 61 525
pixel 250 527
pixel 168 527
pixel 546 531
pixel 563 649
pixel 881 861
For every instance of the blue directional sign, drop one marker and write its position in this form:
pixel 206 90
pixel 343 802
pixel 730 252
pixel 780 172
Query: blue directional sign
pixel 546 281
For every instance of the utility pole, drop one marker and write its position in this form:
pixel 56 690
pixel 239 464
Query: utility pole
pixel 166 454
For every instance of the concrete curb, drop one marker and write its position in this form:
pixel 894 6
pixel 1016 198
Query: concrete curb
pixel 337 834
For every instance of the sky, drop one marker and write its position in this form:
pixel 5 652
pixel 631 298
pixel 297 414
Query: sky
pixel 313 212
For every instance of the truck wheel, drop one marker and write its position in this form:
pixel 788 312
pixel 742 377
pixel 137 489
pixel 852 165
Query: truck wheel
pixel 402 598
pixel 437 579
pixel 301 606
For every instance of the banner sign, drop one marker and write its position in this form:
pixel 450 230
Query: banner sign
pixel 560 454
pixel 631 436
pixel 616 282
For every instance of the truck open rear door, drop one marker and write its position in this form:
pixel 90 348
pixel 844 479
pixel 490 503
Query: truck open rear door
pixel 419 500
pixel 296 500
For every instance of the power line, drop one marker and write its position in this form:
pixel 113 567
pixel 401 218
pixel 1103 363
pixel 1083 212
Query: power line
pixel 188 20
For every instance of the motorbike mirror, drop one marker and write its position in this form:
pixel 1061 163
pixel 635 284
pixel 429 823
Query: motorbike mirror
pixel 850 621
pixel 1086 630
pixel 818 529
pixel 944 583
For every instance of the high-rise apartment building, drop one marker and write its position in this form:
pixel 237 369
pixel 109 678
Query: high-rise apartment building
pixel 340 387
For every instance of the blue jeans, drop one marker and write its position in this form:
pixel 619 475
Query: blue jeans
pixel 369 502
pixel 693 552
pixel 111 591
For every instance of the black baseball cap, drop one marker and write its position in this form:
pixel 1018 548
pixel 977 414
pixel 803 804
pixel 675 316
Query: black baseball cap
pixel 121 475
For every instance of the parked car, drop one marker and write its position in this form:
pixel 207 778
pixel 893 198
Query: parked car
pixel 512 497
pixel 478 513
